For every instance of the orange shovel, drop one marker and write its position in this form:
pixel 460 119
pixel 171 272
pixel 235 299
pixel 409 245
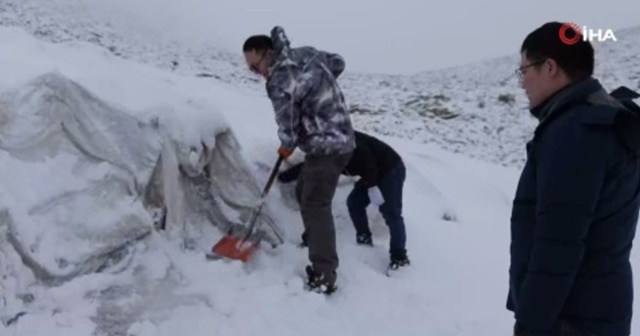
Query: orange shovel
pixel 242 248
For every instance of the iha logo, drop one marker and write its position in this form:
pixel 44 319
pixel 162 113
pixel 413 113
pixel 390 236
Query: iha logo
pixel 570 34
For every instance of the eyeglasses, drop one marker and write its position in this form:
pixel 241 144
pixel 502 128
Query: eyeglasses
pixel 520 71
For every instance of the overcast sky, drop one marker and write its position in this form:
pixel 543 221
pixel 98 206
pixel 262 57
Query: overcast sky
pixel 373 35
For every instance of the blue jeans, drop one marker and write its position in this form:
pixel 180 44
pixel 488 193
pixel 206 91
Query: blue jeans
pixel 390 187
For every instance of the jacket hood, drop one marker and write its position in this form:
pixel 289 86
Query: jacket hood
pixel 281 48
pixel 280 40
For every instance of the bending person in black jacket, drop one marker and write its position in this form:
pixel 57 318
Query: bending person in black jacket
pixel 378 165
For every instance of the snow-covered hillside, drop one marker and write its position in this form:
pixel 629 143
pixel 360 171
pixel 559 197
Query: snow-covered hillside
pixel 476 109
pixel 455 286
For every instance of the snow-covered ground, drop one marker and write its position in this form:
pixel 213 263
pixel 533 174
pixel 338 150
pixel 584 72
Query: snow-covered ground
pixel 456 208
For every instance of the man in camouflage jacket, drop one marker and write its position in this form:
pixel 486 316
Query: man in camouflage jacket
pixel 311 114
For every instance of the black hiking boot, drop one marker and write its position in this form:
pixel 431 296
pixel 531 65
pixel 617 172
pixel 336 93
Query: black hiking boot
pixel 317 282
pixel 396 262
pixel 364 239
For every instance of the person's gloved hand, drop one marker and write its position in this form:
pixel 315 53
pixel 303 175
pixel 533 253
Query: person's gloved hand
pixel 285 152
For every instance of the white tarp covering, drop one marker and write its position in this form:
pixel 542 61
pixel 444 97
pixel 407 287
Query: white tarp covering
pixel 94 178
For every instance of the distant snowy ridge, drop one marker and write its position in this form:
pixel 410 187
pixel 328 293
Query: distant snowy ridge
pixel 475 109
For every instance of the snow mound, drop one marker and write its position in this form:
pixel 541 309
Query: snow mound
pixel 93 178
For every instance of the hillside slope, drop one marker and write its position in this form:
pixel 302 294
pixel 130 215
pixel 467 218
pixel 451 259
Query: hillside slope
pixel 475 109
pixel 453 205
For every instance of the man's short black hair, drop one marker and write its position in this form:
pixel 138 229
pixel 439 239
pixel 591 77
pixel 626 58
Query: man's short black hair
pixel 577 59
pixel 257 43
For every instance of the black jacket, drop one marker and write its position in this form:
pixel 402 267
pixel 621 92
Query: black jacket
pixel 574 216
pixel 371 160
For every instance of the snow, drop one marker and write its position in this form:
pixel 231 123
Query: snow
pixel 456 208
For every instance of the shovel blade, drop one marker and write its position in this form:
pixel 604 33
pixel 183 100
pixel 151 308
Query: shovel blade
pixel 233 248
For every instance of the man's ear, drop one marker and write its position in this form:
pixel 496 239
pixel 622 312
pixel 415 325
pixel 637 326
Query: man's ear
pixel 551 66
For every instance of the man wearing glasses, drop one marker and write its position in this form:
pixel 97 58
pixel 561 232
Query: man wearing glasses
pixel 311 114
pixel 576 206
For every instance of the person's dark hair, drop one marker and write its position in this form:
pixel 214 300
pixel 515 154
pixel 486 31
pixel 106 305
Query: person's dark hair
pixel 257 43
pixel 577 60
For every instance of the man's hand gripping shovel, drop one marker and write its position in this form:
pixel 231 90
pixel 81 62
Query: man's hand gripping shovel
pixel 243 247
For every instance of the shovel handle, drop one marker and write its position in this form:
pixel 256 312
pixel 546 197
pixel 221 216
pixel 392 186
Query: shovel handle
pixel 258 209
pixel 272 177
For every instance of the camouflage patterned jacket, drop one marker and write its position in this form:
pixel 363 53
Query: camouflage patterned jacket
pixel 310 109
